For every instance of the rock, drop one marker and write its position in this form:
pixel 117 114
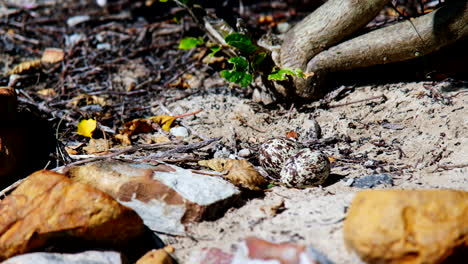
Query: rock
pixel 254 249
pixel 371 181
pixel 244 153
pixel 165 196
pixel 409 226
pixel 210 256
pixel 257 251
pixel 179 131
pixel 87 257
pixel 159 256
pixel 48 207
pixel 312 131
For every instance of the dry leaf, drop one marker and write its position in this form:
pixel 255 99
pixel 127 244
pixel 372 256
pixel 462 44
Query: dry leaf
pixel 243 173
pixel 47 93
pixel 52 55
pixel 214 164
pixel 292 134
pixel 97 146
pixel 25 66
pixel 239 172
pixel 84 99
pixel 87 127
pixel 165 121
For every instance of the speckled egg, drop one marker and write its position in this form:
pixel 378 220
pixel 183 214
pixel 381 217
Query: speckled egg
pixel 274 152
pixel 306 168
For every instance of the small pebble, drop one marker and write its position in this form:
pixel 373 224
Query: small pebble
pixel 179 131
pixel 244 153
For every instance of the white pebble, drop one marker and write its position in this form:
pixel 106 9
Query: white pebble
pixel 244 153
pixel 179 131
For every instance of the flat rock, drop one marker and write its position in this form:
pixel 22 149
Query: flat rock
pixel 258 251
pixel 87 257
pixel 165 196
pixel 408 226
pixel 48 206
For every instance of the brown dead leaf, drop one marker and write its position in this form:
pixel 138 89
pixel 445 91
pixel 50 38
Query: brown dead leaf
pixel 239 172
pixel 243 173
pixel 84 99
pixel 25 66
pixel 292 134
pixel 47 93
pixel 214 164
pixel 97 146
pixel 52 55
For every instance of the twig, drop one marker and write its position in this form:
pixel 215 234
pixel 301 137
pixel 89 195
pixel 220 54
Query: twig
pixel 181 149
pixel 122 151
pixel 359 101
pixel 449 167
pixel 11 187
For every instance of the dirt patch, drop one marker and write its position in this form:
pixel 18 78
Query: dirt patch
pixel 409 135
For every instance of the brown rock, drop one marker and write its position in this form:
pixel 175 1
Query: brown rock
pixel 165 196
pixel 408 226
pixel 48 206
pixel 159 256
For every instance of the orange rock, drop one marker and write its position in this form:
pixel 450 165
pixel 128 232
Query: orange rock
pixel 160 256
pixel 408 226
pixel 47 205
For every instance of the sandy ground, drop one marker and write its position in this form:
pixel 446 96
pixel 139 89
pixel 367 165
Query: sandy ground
pixel 409 136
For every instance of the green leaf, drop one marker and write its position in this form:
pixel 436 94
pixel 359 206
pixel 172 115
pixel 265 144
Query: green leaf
pixel 214 50
pixel 241 78
pixel 240 64
pixel 239 73
pixel 280 75
pixel 190 43
pixel 241 42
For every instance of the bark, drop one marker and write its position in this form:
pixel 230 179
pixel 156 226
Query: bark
pixel 403 41
pixel 326 26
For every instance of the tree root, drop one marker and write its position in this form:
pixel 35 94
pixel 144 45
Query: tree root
pixel 402 41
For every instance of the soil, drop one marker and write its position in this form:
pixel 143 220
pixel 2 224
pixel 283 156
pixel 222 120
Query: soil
pixel 426 137
pixel 415 132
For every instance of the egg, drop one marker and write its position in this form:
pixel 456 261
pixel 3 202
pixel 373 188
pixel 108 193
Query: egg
pixel 306 168
pixel 274 152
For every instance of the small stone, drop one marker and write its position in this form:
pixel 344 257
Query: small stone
pixel 312 131
pixel 258 251
pixel 87 257
pixel 305 169
pixel 408 226
pixel 159 256
pixel 179 131
pixel 371 181
pixel 244 153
